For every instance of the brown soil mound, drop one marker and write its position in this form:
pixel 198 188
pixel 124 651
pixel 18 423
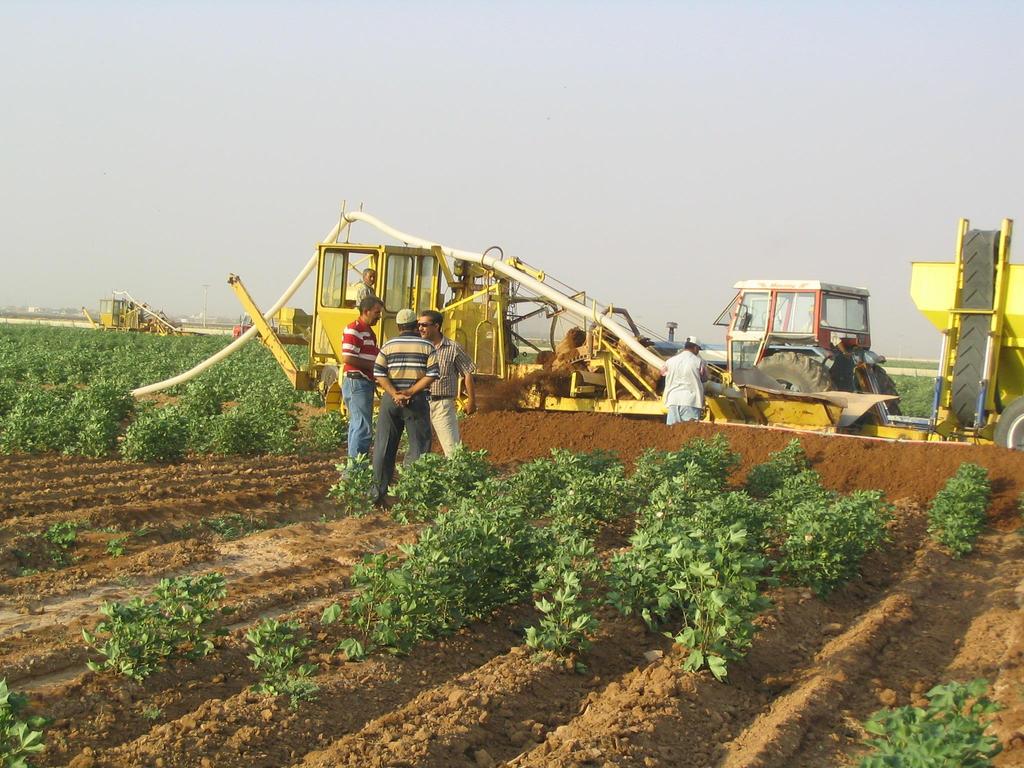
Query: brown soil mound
pixel 903 470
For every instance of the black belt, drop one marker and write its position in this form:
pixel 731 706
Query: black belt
pixel 355 375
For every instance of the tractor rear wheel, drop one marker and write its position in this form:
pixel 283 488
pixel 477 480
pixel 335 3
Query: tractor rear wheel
pixel 887 386
pixel 797 372
pixel 1010 427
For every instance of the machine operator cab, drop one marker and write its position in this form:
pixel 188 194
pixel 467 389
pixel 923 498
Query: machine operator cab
pixel 799 323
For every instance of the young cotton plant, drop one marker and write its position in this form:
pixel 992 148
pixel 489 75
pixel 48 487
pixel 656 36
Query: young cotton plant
pixel 957 513
pixel 21 736
pixel 354 492
pixel 713 460
pixel 567 611
pixel 278 650
pixel 949 733
pixel 157 434
pixel 704 587
pixel 137 637
pixel 764 479
pixel 434 482
pixel 825 540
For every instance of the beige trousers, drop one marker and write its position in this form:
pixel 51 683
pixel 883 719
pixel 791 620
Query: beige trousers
pixel 445 421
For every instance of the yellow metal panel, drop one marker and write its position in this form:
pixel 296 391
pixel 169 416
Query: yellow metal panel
pixel 933 289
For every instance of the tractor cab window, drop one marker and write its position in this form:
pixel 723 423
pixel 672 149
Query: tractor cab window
pixel 845 313
pixel 744 354
pixel 398 284
pixel 794 312
pixel 410 281
pixel 753 312
pixel 726 317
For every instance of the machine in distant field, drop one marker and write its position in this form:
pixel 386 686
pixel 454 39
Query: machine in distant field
pixel 122 312
pixel 798 352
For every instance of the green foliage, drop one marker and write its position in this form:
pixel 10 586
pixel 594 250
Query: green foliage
pixel 61 537
pixel 567 613
pixel 764 479
pixel 916 394
pixel 254 426
pixel 20 736
pixel 278 648
pixel 957 513
pixel 37 422
pixel 116 546
pixel 325 432
pixel 434 482
pixel 950 733
pixel 354 492
pixel 135 638
pixel 711 459
pixel 157 434
pixel 587 500
pixel 233 525
pixel 469 562
pixel 537 483
pixel 825 541
pixel 704 586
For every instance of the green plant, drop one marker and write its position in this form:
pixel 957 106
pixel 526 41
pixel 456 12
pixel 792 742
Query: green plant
pixel 157 434
pixel 61 537
pixel 152 713
pixel 234 525
pixel 20 736
pixel 434 482
pixel 587 500
pixel 116 546
pixel 136 637
pixel 704 586
pixel 278 648
pixel 764 479
pixel 712 460
pixel 567 613
pixel 949 733
pixel 826 540
pixel 536 484
pixel 258 424
pixel 957 513
pixel 354 491
pixel 325 432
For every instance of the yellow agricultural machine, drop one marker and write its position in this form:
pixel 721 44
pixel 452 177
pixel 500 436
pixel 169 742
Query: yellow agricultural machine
pixel 606 365
pixel 121 312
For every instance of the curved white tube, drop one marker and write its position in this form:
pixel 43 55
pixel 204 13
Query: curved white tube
pixel 573 307
pixel 238 343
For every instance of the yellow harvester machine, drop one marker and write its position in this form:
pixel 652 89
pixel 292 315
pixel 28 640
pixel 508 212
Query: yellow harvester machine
pixel 606 365
pixel 121 312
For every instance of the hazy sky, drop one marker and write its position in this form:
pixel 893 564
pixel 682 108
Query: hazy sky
pixel 650 153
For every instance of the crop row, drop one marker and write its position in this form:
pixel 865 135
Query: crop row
pixel 701 555
pixel 67 390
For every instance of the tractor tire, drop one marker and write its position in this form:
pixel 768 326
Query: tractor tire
pixel 978 291
pixel 1010 427
pixel 796 372
pixel 887 386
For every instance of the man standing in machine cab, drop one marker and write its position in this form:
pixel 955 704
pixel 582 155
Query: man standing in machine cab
pixel 366 287
pixel 452 362
pixel 684 374
pixel 406 367
pixel 358 353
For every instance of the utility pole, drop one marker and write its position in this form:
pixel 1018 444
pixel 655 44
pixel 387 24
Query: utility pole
pixel 206 291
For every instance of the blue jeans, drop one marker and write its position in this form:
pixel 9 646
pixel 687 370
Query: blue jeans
pixel 680 413
pixel 358 396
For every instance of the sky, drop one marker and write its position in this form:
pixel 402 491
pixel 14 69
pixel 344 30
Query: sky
pixel 649 153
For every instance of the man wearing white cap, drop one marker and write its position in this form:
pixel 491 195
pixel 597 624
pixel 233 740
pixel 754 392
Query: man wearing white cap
pixel 684 374
pixel 405 368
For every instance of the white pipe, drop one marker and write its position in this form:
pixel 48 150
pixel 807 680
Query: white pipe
pixel 571 306
pixel 238 343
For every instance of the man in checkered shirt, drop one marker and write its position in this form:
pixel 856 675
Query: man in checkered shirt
pixel 452 361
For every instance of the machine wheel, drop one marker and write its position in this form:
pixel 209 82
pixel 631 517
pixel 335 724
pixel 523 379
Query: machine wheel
pixel 796 372
pixel 979 258
pixel 887 386
pixel 1010 427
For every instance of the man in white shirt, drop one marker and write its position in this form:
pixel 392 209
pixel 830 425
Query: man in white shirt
pixel 684 384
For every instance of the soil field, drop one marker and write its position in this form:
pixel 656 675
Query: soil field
pixel 817 668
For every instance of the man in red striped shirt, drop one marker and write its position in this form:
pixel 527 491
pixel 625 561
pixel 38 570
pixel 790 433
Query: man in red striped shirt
pixel 358 353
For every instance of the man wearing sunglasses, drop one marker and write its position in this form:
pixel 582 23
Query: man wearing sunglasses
pixel 452 362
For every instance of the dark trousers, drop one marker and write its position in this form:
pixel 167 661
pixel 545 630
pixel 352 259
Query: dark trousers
pixel 392 419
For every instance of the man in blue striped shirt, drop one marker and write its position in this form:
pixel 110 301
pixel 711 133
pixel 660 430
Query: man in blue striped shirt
pixel 405 368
